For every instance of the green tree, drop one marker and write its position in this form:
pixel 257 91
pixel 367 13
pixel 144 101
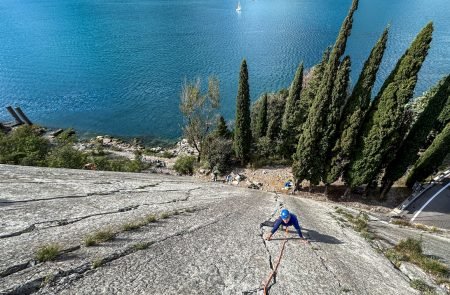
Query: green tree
pixel 293 113
pixel 338 100
pixel 381 131
pixel 355 110
pixel 312 82
pixel 290 116
pixel 261 119
pixel 199 111
pixel 276 104
pixel 408 151
pixel 222 129
pixel 430 160
pixel 309 158
pixel 242 131
pixel 444 116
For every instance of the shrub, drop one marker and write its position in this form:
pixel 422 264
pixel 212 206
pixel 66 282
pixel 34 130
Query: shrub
pixel 67 136
pixel 218 152
pixel 66 157
pixel 184 165
pixel 23 146
pixel 48 252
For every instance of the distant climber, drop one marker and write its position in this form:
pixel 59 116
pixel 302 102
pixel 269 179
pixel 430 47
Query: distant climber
pixel 215 173
pixel 286 219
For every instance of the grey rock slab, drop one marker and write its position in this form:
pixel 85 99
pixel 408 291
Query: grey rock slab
pixel 352 263
pixel 222 255
pixel 432 244
pixel 217 249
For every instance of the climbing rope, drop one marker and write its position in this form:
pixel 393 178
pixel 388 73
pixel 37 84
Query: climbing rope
pixel 274 271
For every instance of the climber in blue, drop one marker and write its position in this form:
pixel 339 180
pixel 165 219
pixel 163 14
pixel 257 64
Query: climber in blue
pixel 286 219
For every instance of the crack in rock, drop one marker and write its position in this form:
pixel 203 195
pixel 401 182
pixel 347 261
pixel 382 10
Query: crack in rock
pixel 107 193
pixel 19 267
pixel 33 286
pixel 63 222
pixel 322 261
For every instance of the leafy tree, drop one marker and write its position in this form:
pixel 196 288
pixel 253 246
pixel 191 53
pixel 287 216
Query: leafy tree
pixel 408 151
pixel 355 110
pixel 261 119
pixel 381 132
pixel 242 132
pixel 199 111
pixel 430 160
pixel 309 158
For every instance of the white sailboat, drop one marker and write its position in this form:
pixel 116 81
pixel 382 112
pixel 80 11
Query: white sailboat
pixel 238 8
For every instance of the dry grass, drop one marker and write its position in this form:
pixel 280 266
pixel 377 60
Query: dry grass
pixel 411 250
pixel 100 236
pixel 402 222
pixel 48 252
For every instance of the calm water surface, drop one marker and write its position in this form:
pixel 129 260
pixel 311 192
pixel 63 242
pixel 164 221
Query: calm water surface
pixel 116 66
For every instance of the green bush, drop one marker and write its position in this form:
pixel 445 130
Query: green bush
pixel 66 156
pixel 184 165
pixel 218 152
pixel 67 136
pixel 23 146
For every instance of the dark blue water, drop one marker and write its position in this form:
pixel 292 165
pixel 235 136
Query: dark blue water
pixel 117 66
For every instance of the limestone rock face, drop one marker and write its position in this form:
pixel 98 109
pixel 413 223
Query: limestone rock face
pixel 207 239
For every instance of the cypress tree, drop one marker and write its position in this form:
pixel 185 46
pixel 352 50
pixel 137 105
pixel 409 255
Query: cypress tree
pixel 276 104
pixel 312 84
pixel 309 158
pixel 261 119
pixel 291 109
pixel 444 116
pixel 242 131
pixel 338 100
pixel 407 153
pixel 430 160
pixel 381 131
pixel 292 115
pixel 355 110
pixel 222 129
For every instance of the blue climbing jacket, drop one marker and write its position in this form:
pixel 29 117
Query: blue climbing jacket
pixel 292 221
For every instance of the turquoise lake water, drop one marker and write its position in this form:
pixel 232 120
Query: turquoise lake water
pixel 116 66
